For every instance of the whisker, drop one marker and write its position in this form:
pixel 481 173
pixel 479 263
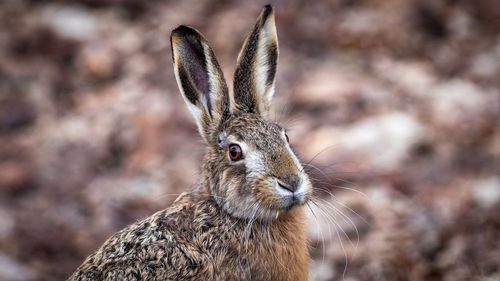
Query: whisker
pixel 342 204
pixel 345 218
pixel 340 240
pixel 339 179
pixel 317 154
pixel 334 221
pixel 351 189
pixel 321 233
pixel 163 195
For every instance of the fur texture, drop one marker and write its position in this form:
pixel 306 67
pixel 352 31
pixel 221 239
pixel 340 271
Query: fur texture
pixel 195 239
pixel 246 219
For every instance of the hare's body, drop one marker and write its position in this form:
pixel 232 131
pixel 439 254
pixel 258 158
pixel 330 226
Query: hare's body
pixel 195 239
pixel 246 220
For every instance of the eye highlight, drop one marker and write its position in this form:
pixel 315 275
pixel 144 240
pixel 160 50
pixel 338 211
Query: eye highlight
pixel 235 152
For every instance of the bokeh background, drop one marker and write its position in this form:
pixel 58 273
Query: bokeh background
pixel 394 104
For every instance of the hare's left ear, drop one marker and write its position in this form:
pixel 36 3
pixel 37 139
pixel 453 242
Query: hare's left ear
pixel 256 66
pixel 200 80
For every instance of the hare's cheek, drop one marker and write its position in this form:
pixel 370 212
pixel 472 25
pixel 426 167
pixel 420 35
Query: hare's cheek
pixel 262 191
pixel 233 173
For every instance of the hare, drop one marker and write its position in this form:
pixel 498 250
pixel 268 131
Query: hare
pixel 246 220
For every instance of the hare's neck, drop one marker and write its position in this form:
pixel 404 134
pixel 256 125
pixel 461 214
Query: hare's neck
pixel 284 244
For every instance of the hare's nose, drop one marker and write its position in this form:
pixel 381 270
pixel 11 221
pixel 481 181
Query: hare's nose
pixel 290 183
pixel 287 187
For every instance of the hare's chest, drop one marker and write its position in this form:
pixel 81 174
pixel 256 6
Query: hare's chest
pixel 284 260
pixel 261 260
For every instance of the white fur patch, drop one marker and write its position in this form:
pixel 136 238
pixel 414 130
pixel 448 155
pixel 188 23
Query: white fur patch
pixel 267 37
pixel 214 82
pixel 253 162
pixel 196 111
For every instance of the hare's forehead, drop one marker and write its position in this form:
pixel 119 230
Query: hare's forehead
pixel 259 133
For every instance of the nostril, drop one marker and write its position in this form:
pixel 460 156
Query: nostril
pixel 286 187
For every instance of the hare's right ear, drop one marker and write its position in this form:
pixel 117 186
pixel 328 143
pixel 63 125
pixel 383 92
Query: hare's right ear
pixel 200 80
pixel 256 66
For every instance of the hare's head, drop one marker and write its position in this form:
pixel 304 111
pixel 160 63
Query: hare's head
pixel 250 168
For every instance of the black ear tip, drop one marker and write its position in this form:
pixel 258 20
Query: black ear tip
pixel 266 11
pixel 184 30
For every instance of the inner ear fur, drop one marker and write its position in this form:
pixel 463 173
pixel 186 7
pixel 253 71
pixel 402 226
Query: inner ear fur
pixel 255 73
pixel 200 79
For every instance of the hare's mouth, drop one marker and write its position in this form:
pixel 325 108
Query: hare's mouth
pixel 291 195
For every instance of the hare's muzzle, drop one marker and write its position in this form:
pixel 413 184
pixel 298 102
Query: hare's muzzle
pixel 292 190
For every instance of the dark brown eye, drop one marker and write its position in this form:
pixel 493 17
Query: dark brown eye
pixel 235 152
pixel 287 139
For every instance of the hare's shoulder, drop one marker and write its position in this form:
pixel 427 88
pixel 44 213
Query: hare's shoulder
pixel 171 244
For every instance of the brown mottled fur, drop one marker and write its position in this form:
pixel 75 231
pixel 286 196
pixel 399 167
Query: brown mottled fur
pixel 209 247
pixel 246 220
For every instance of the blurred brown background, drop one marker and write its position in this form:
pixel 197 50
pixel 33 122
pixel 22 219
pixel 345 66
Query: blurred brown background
pixel 395 102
